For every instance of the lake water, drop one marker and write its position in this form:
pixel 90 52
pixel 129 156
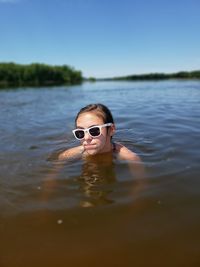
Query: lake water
pixel 50 215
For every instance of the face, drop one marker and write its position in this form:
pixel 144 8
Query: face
pixel 95 145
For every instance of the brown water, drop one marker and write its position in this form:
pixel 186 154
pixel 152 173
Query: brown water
pixel 101 213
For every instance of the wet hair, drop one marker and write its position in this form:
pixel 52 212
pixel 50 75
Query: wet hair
pixel 100 110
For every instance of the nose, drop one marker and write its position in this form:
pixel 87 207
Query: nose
pixel 87 136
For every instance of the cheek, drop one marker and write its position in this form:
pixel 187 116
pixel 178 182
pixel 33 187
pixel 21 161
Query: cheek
pixel 101 140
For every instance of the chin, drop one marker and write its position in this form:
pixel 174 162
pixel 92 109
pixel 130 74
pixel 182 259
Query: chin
pixel 92 152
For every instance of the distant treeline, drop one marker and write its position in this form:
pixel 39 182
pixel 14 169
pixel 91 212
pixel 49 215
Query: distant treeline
pixel 37 75
pixel 161 76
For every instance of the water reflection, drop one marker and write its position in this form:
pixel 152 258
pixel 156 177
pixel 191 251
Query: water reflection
pixel 97 172
pixel 97 180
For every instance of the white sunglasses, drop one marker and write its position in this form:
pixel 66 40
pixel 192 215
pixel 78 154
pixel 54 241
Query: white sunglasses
pixel 93 131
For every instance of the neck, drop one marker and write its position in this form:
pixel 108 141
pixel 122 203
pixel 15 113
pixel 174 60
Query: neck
pixel 100 157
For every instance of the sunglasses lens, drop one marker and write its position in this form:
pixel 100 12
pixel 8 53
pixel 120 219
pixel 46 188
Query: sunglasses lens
pixel 95 131
pixel 79 134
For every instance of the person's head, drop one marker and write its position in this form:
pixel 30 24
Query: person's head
pixel 97 139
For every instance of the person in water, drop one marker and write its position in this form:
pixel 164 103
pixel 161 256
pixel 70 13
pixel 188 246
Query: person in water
pixel 95 128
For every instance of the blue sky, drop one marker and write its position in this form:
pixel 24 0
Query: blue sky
pixel 102 38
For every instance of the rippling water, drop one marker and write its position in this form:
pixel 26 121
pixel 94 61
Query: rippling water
pixel 101 214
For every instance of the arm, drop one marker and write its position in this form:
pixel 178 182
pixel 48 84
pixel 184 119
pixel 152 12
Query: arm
pixel 50 181
pixel 71 153
pixel 136 168
pixel 135 164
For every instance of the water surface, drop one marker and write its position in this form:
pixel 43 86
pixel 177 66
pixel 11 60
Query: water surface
pixel 100 214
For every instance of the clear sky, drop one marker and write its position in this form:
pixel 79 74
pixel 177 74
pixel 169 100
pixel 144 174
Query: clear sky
pixel 102 38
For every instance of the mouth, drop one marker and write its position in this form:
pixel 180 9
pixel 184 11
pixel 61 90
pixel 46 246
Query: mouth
pixel 89 147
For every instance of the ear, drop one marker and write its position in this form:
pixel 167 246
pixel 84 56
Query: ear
pixel 112 130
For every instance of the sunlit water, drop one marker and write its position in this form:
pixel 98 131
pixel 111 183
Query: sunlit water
pixel 101 214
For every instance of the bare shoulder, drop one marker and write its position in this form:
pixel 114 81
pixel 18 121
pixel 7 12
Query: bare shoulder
pixel 71 153
pixel 126 154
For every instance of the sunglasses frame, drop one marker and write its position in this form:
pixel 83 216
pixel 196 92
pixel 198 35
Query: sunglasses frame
pixel 87 130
